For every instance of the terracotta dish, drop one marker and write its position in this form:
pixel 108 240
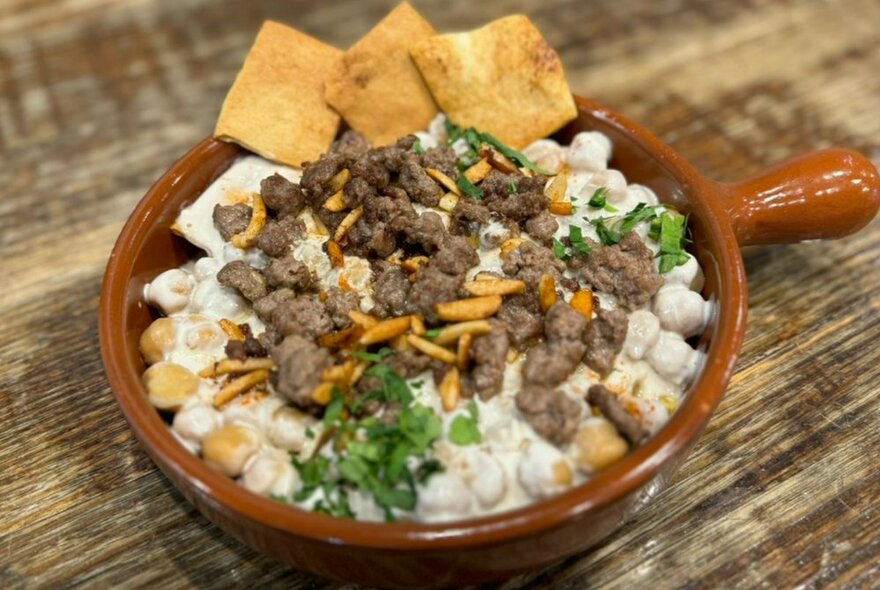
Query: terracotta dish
pixel 826 194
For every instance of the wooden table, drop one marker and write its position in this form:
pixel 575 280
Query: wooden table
pixel 97 98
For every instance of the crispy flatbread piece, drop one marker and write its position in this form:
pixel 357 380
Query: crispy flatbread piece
pixel 503 78
pixel 276 106
pixel 376 87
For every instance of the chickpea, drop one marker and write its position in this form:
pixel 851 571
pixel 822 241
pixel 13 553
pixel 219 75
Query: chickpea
pixel 169 385
pixel 598 444
pixel 156 340
pixel 228 448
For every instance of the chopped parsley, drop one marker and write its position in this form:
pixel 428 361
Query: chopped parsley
pixel 463 431
pixel 511 187
pixel 373 357
pixel 468 187
pixel 559 250
pixel 432 333
pixel 475 140
pixel 599 200
pixel 417 147
pixel 576 237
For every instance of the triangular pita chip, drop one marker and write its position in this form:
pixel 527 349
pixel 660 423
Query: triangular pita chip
pixel 276 106
pixel 376 87
pixel 503 78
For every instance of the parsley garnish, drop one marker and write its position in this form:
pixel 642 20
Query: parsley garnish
pixel 511 187
pixel 576 237
pixel 599 200
pixel 334 408
pixel 559 250
pixel 463 431
pixel 394 387
pixel 373 357
pixel 417 147
pixel 432 333
pixel 475 139
pixel 468 187
pixel 670 233
pixel 607 236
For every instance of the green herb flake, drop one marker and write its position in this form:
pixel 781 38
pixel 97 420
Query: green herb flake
pixel 394 387
pixel 599 198
pixel 334 409
pixel 468 188
pixel 521 160
pixel 432 333
pixel 373 357
pixel 670 230
pixel 310 434
pixel 559 250
pixel 511 187
pixel 464 431
pixel 418 148
pixel 576 237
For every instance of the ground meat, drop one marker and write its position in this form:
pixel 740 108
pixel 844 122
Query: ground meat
pixel 390 289
pixel 550 412
pixel 338 304
pixel 443 159
pixel 625 270
pixel 351 145
pixel 456 256
pixel 489 353
pixel 432 286
pixel 279 235
pixel 289 272
pixel 530 261
pixel 366 239
pixel 356 191
pixel 300 364
pixel 265 307
pixel 231 219
pixel 283 197
pixel 604 338
pixel 316 176
pixel 523 325
pixel 426 230
pixel 552 361
pixel 302 315
pixel 420 187
pixel 469 215
pixel 627 424
pixel 244 278
pixel 542 227
pixel 527 201
pixel 371 168
pixel 249 347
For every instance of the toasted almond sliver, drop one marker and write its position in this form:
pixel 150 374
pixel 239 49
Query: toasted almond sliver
pixel 227 366
pixel 431 349
pixel 347 223
pixel 450 389
pixel 342 339
pixel 463 310
pixel 555 189
pixel 499 161
pixel 560 208
pixel 338 182
pixel 453 332
pixel 509 246
pixel 239 386
pixel 247 238
pixel 335 203
pixel 582 302
pixel 358 372
pixel 386 330
pixel 339 374
pixel 322 393
pixel 547 292
pixel 334 253
pixel 417 325
pixel 464 351
pixel 399 343
pixel 495 287
pixel 444 180
pixel 176 229
pixel 512 355
pixel 362 319
pixel 478 171
pixel 413 264
pixel 231 329
pixel 448 202
pixel 320 228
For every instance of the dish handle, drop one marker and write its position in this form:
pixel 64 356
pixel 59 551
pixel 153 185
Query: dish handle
pixel 821 195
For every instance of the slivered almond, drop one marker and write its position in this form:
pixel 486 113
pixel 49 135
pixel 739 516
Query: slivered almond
pixel 176 229
pixel 478 171
pixel 417 325
pixel 347 222
pixel 322 394
pixel 555 189
pixel 448 202
pixel 444 180
pixel 499 161
pixel 495 287
pixel 413 264
pixel 450 389
pixel 362 319
pixel 228 366
pixel 560 208
pixel 339 374
pixel 475 308
pixel 464 351
pixel 247 238
pixel 431 349
pixel 239 386
pixel 231 329
pixel 335 203
pixel 357 372
pixel 385 330
pixel 334 253
pixel 509 246
pixel 399 343
pixel 512 355
pixel 342 339
pixel 582 302
pixel 547 292
pixel 338 182
pixel 452 332
pixel 320 228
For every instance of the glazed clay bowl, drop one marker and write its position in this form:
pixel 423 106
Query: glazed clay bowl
pixel 822 195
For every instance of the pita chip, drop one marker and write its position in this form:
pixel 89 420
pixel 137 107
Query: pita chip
pixel 276 106
pixel 376 87
pixel 503 78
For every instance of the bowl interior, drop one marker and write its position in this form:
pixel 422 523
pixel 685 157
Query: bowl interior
pixel 147 247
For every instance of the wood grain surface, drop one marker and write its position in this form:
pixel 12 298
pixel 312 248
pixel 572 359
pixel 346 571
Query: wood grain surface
pixel 98 98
